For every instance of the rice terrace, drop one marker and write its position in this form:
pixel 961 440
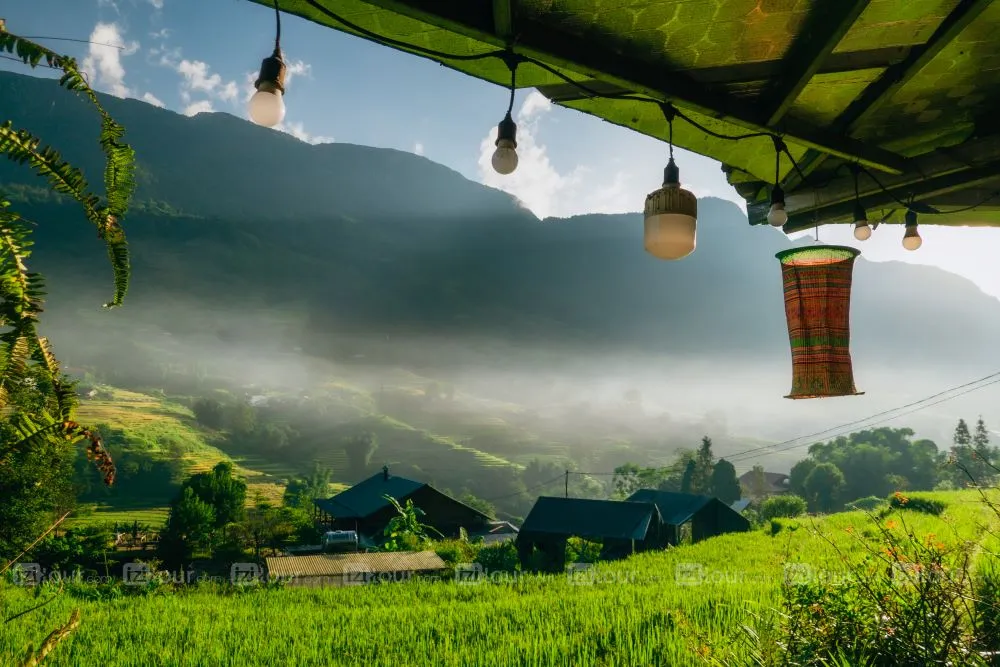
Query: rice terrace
pixel 500 332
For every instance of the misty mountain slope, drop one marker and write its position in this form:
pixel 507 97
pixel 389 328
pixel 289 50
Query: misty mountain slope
pixel 233 221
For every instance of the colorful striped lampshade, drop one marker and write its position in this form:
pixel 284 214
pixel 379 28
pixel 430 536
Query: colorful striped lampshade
pixel 817 283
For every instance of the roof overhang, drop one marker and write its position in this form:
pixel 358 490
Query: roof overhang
pixel 905 88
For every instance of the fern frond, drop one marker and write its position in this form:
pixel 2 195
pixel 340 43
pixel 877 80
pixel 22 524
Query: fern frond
pixel 119 171
pixel 38 429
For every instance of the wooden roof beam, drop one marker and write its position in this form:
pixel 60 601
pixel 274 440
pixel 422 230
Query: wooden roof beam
pixel 503 19
pixel 895 77
pixel 580 55
pixel 921 191
pixel 823 31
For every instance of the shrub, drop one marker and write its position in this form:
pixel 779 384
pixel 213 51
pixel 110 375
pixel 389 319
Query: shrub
pixel 867 504
pixel 905 602
pixel 499 557
pixel 456 551
pixel 917 504
pixel 579 550
pixel 785 506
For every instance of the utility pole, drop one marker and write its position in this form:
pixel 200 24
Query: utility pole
pixel 567 483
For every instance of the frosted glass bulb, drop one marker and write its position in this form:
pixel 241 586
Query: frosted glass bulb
pixel 266 106
pixel 670 235
pixel 777 215
pixel 862 231
pixel 505 157
pixel 911 239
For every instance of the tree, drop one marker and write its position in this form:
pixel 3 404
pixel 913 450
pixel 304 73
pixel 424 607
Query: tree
pixel 208 412
pixel 224 492
pixel 359 449
pixel 724 484
pixel 37 402
pixel 758 483
pixel 188 530
pixel 689 477
pixel 405 531
pixel 823 487
pixel 705 461
pixel 797 477
pixel 304 489
pixel 981 470
pixel 786 505
pixel 962 438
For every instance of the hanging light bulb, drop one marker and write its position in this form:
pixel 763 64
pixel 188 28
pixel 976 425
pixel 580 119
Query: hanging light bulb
pixel 911 238
pixel 267 107
pixel 505 156
pixel 671 218
pixel 862 231
pixel 777 215
pixel 671 213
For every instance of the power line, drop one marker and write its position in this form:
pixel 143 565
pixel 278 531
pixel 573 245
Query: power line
pixel 865 419
pixel 120 47
pixel 919 405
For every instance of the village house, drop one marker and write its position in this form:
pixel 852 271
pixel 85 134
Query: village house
pixel 364 508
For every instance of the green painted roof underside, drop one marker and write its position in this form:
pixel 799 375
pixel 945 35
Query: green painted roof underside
pixel 735 57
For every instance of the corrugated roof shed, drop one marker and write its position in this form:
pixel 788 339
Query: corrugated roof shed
pixel 326 565
pixel 583 517
pixel 365 498
pixel 675 508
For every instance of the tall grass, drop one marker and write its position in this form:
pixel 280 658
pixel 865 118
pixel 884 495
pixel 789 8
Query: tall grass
pixel 686 606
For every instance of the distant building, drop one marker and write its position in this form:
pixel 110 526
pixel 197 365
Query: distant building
pixel 741 505
pixel 499 531
pixel 775 483
pixel 706 515
pixel 364 509
pixel 352 569
pixel 623 528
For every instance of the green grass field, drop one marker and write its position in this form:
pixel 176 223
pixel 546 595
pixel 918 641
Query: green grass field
pixel 684 606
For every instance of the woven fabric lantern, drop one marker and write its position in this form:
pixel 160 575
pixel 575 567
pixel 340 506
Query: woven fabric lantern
pixel 817 283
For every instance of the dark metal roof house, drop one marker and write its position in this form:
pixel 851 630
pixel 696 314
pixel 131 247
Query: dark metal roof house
pixel 623 527
pixel 363 507
pixel 708 516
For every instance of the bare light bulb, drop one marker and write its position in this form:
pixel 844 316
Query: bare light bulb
pixel 911 238
pixel 777 216
pixel 505 157
pixel 862 231
pixel 267 107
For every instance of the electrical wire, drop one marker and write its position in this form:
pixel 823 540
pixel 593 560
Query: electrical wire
pixel 509 55
pixel 73 39
pixel 277 27
pixel 528 490
pixel 787 445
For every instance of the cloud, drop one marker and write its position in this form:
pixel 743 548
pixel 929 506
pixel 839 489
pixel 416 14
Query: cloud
pixel 157 4
pixel 103 63
pixel 153 99
pixel 536 182
pixel 162 33
pixel 201 106
pixel 418 148
pixel 298 131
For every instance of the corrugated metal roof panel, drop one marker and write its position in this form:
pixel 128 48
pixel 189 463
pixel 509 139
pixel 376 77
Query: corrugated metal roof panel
pixel 320 565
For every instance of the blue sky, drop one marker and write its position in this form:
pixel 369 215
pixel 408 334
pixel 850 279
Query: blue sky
pixel 202 55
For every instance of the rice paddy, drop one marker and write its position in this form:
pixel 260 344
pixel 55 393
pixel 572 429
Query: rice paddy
pixel 684 606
